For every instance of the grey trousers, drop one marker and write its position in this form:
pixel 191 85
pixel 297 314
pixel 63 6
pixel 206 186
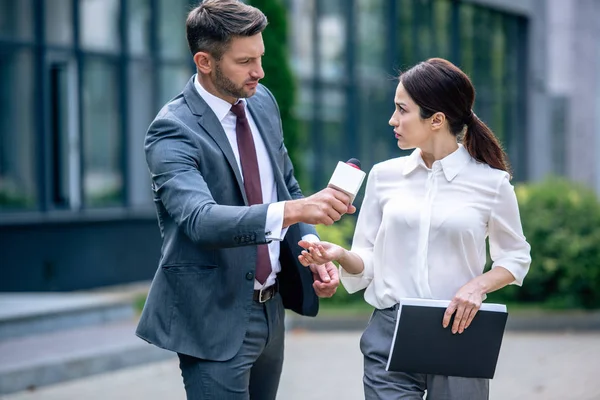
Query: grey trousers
pixel 254 372
pixel 378 383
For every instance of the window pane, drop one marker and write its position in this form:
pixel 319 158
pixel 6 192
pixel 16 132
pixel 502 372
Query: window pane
pixel 371 37
pixel 99 24
pixel 103 174
pixel 491 52
pixel 171 30
pixel 59 133
pixel 485 72
pixel 139 26
pixel 141 114
pixel 442 29
pixel 332 115
pixel 59 21
pixel 17 144
pixel 375 137
pixel 16 19
pixel 424 30
pixel 301 38
pixel 404 34
pixel 332 40
pixel 173 79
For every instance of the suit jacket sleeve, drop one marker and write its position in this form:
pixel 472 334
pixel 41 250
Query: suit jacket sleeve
pixel 185 195
pixel 288 175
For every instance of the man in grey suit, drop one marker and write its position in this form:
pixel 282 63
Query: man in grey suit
pixel 231 214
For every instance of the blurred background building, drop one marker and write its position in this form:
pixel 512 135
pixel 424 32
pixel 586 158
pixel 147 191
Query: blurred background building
pixel 80 81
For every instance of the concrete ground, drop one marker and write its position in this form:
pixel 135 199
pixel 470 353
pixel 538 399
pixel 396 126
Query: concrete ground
pixel 328 365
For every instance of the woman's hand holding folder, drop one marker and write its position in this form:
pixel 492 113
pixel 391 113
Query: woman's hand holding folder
pixel 467 300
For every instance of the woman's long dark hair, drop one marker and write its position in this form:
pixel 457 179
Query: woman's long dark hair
pixel 437 85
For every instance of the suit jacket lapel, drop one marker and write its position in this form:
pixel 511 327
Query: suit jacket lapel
pixel 209 122
pixel 264 124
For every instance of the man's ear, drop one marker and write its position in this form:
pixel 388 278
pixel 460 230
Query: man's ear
pixel 437 120
pixel 204 62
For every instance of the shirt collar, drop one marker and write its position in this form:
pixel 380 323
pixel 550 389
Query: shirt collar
pixel 452 164
pixel 219 106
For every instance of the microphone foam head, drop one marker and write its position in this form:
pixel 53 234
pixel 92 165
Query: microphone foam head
pixel 354 162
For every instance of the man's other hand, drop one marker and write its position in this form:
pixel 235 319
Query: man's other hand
pixel 326 279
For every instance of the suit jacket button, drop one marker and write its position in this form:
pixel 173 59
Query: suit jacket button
pixel 250 276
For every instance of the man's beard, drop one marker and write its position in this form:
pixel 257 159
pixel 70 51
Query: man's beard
pixel 227 87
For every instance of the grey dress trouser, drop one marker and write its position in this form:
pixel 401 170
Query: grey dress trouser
pixel 380 384
pixel 254 372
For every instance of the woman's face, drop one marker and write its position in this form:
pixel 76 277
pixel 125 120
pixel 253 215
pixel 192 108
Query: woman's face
pixel 411 131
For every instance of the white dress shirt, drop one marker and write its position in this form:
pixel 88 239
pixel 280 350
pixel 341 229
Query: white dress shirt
pixel 274 223
pixel 421 232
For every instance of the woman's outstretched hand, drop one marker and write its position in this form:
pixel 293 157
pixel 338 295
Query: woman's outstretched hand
pixel 319 252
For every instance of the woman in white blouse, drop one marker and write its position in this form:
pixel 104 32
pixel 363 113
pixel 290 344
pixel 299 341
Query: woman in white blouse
pixel 423 223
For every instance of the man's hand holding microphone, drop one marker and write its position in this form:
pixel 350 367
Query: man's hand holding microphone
pixel 326 207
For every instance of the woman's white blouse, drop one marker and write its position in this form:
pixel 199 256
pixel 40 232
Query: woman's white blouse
pixel 421 232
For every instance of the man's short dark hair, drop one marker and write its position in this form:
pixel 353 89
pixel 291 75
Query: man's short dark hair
pixel 211 26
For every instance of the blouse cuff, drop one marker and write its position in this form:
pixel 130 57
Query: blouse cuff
pixel 518 270
pixel 355 282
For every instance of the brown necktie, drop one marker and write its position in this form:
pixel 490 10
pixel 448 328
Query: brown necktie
pixel 252 185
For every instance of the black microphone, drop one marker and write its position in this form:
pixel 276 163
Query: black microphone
pixel 354 162
pixel 347 177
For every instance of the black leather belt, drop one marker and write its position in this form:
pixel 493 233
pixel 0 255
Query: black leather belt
pixel 266 294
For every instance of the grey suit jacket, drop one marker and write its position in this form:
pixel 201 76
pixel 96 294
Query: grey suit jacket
pixel 201 294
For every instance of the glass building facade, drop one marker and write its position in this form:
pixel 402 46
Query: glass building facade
pixel 348 53
pixel 81 81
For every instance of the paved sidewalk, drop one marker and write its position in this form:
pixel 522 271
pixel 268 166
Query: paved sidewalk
pixel 328 365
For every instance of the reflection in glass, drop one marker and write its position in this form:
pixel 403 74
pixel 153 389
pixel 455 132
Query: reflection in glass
pixel 467 34
pixel 171 28
pixel 301 37
pixel 404 32
pixel 305 102
pixel 102 172
pixel 141 114
pixel 375 137
pixel 59 142
pixel 333 138
pixel 423 30
pixel 371 38
pixel 17 144
pixel 173 79
pixel 492 65
pixel 59 22
pixel 138 20
pixel 99 24
pixel 16 19
pixel 332 40
pixel 442 33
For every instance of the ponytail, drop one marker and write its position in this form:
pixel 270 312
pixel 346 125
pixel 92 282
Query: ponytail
pixel 437 85
pixel 483 146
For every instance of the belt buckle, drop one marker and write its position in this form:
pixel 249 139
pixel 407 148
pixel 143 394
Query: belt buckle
pixel 260 294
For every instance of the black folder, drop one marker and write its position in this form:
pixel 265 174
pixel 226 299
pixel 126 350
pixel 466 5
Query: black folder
pixel 422 345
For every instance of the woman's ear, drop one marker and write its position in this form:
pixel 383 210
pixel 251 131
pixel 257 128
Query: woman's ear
pixel 437 120
pixel 204 62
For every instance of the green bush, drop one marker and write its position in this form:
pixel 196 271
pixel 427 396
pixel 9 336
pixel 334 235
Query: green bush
pixel 11 199
pixel 561 221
